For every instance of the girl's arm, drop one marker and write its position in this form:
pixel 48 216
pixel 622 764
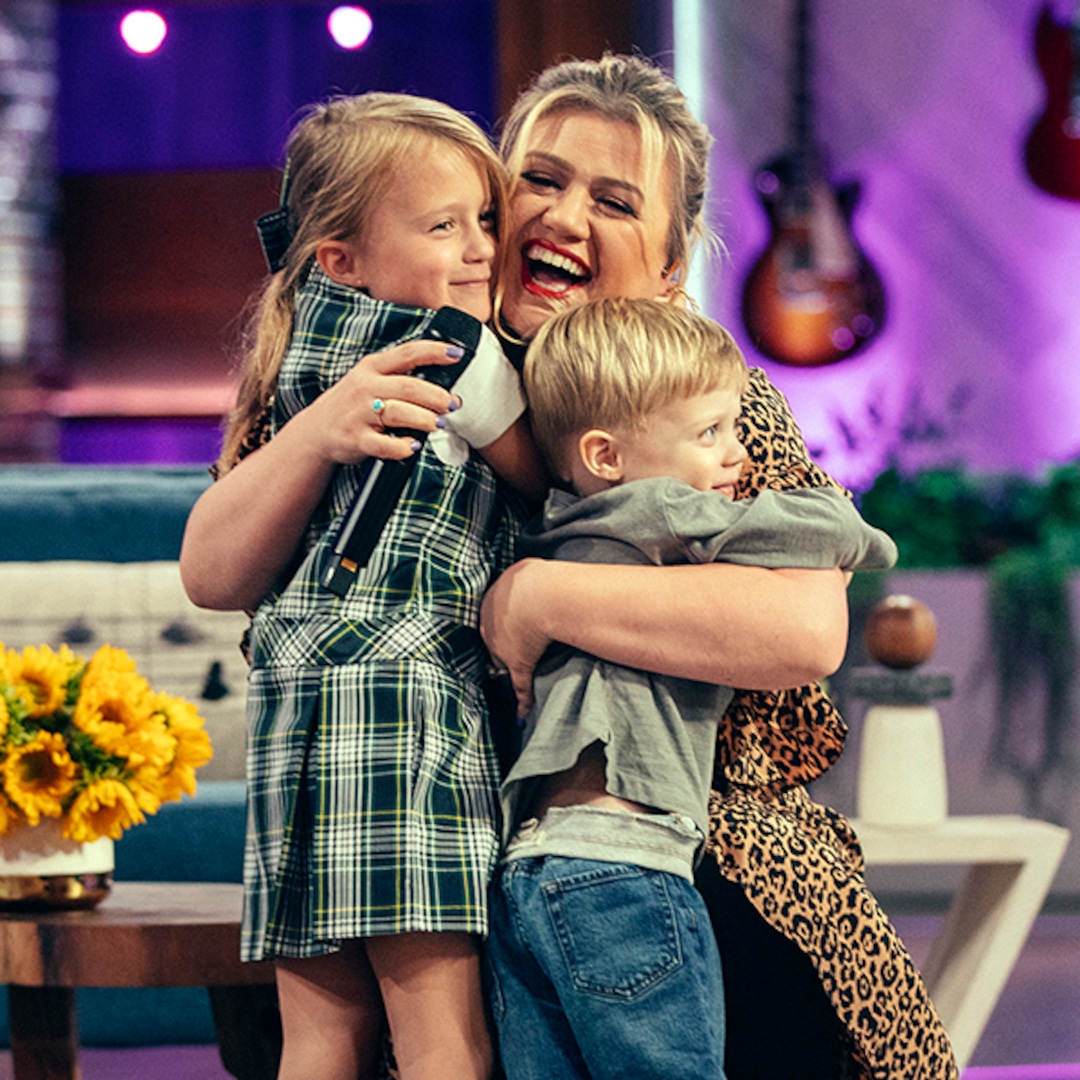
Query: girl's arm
pixel 244 529
pixel 718 623
pixel 492 419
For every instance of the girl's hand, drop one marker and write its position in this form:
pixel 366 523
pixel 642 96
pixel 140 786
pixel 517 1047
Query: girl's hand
pixel 356 417
pixel 510 628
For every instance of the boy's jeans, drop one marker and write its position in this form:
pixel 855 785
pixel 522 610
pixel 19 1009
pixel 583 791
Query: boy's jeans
pixel 603 970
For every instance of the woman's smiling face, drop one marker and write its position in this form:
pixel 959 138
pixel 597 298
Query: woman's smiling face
pixel 586 220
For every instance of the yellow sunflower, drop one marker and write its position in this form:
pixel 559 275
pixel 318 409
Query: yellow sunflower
pixel 193 747
pixel 8 815
pixel 40 678
pixel 116 708
pixel 155 741
pixel 103 808
pixel 146 787
pixel 39 775
pixel 109 659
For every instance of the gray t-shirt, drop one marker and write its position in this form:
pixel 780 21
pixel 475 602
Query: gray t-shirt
pixel 659 733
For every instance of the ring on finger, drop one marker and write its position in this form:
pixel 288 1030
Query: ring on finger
pixel 378 405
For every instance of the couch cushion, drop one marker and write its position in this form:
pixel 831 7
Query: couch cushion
pixel 110 514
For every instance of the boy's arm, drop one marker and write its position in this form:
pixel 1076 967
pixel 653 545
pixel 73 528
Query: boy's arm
pixel 671 522
pixel 808 528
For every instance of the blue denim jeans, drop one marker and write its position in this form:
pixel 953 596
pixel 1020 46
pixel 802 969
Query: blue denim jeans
pixel 603 971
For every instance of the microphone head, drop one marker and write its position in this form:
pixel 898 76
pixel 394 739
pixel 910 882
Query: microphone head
pixel 456 326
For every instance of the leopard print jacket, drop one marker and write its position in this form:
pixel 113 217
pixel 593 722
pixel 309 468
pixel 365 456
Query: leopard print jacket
pixel 800 863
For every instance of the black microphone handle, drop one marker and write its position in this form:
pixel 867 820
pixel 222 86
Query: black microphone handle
pixel 373 504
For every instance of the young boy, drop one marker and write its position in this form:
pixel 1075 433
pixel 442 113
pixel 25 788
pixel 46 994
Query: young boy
pixel 603 959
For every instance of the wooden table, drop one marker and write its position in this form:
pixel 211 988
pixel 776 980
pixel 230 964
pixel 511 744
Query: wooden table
pixel 1011 864
pixel 142 934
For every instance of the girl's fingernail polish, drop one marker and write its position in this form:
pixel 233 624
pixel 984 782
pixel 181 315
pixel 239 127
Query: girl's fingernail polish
pixel 415 444
pixel 440 421
pixel 455 404
pixel 456 351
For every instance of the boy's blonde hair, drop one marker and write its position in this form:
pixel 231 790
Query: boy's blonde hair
pixel 611 363
pixel 343 156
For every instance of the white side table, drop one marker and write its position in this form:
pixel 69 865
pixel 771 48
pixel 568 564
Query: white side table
pixel 1011 863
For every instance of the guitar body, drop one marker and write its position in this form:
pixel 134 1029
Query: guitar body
pixel 812 297
pixel 1052 152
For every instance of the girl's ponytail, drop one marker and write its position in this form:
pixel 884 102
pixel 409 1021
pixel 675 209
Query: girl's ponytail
pixel 266 337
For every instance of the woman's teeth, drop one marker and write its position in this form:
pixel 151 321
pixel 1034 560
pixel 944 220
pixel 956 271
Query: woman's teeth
pixel 552 269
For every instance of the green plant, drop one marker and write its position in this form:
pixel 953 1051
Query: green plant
pixel 1026 533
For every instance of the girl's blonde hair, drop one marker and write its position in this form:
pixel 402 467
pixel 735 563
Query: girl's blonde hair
pixel 343 156
pixel 635 91
pixel 611 363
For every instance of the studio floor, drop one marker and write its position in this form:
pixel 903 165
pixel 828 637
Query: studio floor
pixel 1034 1033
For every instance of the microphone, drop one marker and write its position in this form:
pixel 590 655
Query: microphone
pixel 375 501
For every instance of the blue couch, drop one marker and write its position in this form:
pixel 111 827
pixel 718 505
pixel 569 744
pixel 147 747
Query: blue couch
pixel 130 515
pixel 95 514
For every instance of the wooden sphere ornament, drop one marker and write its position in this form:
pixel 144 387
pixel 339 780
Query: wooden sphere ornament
pixel 901 632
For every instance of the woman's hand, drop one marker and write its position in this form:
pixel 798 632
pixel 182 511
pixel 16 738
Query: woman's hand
pixel 355 418
pixel 720 623
pixel 510 626
pixel 245 528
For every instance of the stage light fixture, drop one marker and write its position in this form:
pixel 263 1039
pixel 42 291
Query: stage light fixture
pixel 349 26
pixel 143 31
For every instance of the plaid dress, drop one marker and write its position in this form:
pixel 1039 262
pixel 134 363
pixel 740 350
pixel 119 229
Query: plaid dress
pixel 371 771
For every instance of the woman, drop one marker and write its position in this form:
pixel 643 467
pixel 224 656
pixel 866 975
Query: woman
pixel 789 904
pixel 609 171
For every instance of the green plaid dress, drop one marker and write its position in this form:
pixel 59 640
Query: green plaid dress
pixel 371 771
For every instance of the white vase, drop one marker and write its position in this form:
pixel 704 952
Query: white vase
pixel 902 780
pixel 41 868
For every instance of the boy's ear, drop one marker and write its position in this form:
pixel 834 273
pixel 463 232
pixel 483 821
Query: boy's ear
pixel 340 262
pixel 600 454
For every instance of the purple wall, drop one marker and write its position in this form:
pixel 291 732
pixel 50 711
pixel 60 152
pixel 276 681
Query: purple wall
pixel 929 105
pixel 223 88
pixel 222 93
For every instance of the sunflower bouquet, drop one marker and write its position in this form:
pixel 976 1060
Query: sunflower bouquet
pixel 90 742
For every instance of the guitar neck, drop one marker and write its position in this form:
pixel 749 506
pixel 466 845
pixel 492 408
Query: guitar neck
pixel 803 143
pixel 1074 79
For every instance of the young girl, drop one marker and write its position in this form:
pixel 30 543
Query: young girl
pixel 371 774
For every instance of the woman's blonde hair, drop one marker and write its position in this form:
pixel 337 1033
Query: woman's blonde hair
pixel 611 363
pixel 635 91
pixel 343 156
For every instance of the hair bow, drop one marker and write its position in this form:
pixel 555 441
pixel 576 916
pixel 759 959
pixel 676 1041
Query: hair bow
pixel 275 230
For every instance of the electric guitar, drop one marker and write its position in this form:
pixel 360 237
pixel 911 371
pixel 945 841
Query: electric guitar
pixel 812 297
pixel 1052 152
